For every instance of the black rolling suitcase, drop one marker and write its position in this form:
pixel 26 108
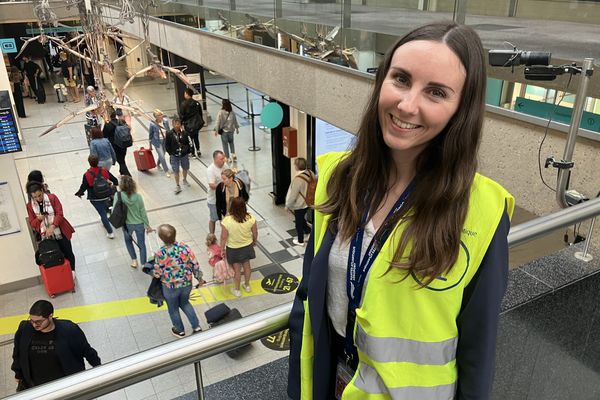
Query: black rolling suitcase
pixel 40 92
pixel 233 315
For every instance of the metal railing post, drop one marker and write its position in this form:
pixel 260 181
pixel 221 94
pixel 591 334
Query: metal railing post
pixel 584 256
pixel 199 383
pixel 564 173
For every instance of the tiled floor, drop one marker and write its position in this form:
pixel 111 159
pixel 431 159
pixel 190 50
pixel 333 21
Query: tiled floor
pixel 103 272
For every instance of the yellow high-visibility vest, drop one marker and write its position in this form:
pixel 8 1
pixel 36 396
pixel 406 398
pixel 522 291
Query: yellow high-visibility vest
pixel 406 336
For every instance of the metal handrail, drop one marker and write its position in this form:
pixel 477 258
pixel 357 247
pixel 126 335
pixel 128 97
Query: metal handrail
pixel 159 360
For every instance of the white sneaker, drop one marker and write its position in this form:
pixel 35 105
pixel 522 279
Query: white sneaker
pixel 177 189
pixel 236 293
pixel 167 174
pixel 110 235
pixel 186 183
pixel 297 243
pixel 247 288
pixel 234 157
pixel 134 264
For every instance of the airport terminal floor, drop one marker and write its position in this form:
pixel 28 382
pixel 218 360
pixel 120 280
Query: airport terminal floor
pixel 110 302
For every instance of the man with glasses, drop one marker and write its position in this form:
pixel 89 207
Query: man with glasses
pixel 46 348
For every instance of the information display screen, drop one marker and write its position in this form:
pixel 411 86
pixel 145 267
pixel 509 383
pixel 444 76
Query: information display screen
pixel 9 133
pixel 331 138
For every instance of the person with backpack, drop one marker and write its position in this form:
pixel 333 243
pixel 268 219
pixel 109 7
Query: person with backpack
pixel 225 125
pixel 99 184
pixel 190 112
pixel 136 220
pixel 109 133
pixel 119 141
pixel 46 218
pixel 177 144
pixel 300 197
pixel 101 147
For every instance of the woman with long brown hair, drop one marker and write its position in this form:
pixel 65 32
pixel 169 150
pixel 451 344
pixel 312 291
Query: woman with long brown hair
pixel 404 274
pixel 238 238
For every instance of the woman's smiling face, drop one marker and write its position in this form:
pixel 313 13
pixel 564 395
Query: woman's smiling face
pixel 419 95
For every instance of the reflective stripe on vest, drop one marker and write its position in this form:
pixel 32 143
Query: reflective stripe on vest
pixel 388 349
pixel 368 381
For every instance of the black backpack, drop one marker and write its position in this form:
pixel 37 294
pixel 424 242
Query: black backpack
pixel 118 216
pixel 123 137
pixel 195 123
pixel 100 187
pixel 48 254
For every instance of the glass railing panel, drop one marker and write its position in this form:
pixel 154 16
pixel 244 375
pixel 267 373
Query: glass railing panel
pixel 524 24
pixel 325 12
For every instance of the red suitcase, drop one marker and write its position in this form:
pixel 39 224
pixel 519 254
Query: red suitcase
pixel 144 159
pixel 58 279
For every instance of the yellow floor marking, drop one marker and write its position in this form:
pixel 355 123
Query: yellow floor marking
pixel 134 306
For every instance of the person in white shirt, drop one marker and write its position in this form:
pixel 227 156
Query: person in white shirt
pixel 213 175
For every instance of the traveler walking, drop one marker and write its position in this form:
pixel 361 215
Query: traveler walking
pixel 137 219
pixel 177 144
pixel 120 152
pixel 229 188
pixel 45 216
pixel 121 99
pixel 296 197
pixel 47 348
pixel 213 177
pixel 225 125
pixel 100 186
pixel 190 112
pixel 175 264
pixel 238 238
pixel 408 262
pixel 101 148
pixel 157 133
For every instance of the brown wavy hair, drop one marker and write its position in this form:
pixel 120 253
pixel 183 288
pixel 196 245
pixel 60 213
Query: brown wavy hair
pixel 444 170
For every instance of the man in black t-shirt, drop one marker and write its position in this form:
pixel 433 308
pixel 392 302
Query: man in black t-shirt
pixel 32 70
pixel 47 348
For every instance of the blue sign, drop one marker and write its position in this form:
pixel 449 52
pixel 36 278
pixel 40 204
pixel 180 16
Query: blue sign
pixel 8 45
pixel 271 115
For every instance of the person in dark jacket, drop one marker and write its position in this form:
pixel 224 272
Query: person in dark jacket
pixel 229 188
pixel 33 71
pixel 100 204
pixel 109 133
pixel 190 112
pixel 46 348
pixel 177 144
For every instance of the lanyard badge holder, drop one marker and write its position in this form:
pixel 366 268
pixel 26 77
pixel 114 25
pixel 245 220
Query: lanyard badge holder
pixel 356 275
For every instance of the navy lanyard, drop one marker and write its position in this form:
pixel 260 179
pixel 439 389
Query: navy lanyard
pixel 358 269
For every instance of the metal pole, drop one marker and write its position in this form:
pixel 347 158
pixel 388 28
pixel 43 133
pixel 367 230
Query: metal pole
pixel 247 105
pixel 227 91
pixel 261 126
pixel 585 256
pixel 564 173
pixel 253 147
pixel 199 384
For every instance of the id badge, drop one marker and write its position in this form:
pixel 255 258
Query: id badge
pixel 343 376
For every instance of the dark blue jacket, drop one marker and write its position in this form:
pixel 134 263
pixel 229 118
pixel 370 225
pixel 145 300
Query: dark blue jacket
pixel 71 347
pixel 477 322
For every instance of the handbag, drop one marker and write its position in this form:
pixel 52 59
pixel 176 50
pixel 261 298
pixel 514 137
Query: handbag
pixel 49 254
pixel 118 216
